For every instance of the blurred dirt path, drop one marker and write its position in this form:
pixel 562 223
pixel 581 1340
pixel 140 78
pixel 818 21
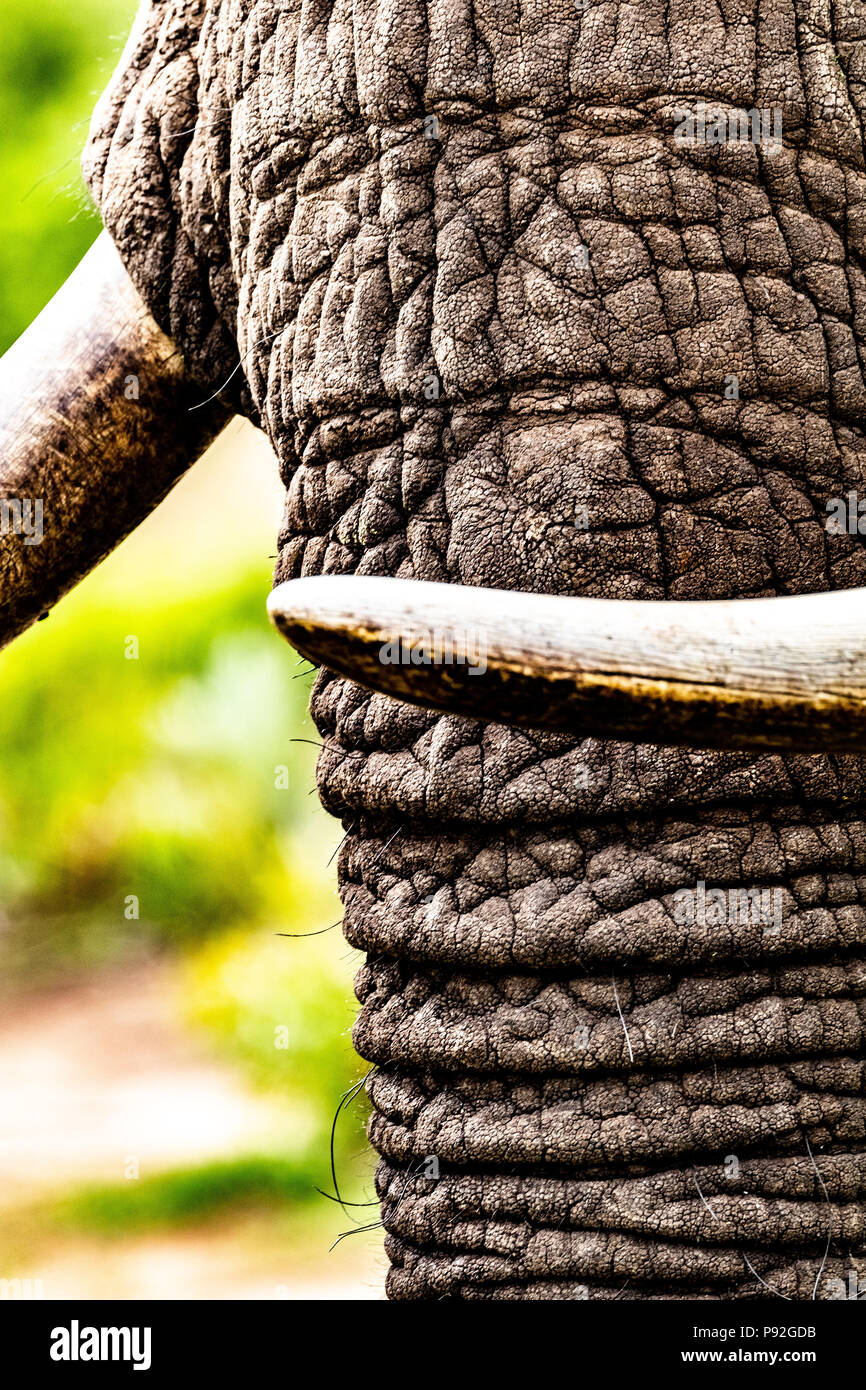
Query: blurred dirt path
pixel 232 1258
pixel 103 1074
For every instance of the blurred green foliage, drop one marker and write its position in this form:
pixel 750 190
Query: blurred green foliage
pixel 189 803
pixel 56 58
pixel 181 779
pixel 182 1195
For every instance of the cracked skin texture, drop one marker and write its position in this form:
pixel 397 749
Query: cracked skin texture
pixel 622 1106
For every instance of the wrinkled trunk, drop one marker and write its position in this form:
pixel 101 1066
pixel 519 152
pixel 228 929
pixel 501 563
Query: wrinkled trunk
pixel 620 1102
pixel 504 329
pixel 620 1105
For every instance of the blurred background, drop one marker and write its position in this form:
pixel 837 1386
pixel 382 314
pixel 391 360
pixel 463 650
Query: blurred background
pixel 170 1065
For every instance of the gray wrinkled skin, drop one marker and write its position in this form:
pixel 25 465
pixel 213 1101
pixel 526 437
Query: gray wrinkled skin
pixel 264 167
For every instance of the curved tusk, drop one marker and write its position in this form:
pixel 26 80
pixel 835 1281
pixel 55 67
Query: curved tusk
pixel 96 425
pixel 748 673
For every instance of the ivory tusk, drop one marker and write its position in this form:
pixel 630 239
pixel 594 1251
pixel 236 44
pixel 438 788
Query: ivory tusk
pixel 750 673
pixel 96 426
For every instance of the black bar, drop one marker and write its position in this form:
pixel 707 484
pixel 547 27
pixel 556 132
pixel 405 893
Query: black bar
pixel 602 1340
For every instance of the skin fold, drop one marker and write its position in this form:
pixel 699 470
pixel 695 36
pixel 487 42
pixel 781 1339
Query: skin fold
pixel 363 224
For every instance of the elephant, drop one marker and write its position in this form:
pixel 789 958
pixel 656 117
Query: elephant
pixel 554 315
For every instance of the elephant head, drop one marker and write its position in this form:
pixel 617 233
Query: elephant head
pixel 563 304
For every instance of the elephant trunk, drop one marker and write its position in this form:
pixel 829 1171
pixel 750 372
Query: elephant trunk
pixel 616 1056
pixel 614 992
